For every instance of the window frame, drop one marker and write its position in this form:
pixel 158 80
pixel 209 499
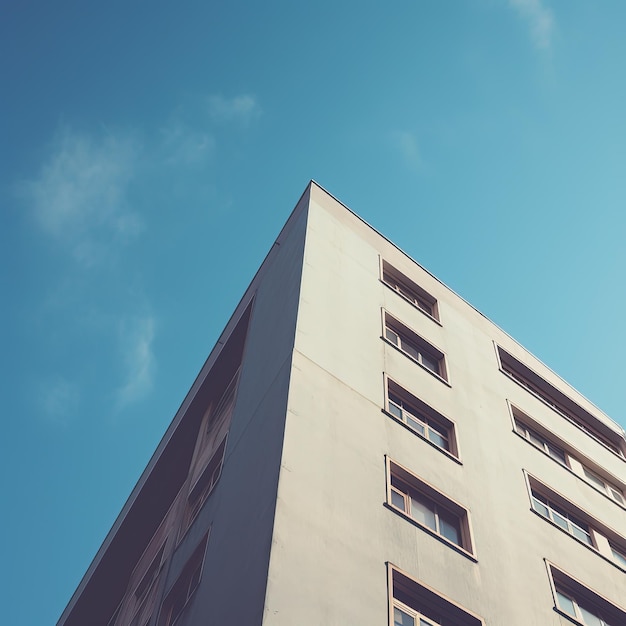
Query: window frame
pixel 421 413
pixel 407 338
pixel 219 418
pixel 421 600
pixel 561 403
pixel 195 563
pixel 575 461
pixel 555 512
pixel 409 290
pixel 204 486
pixel 539 441
pixel 607 488
pixel 428 494
pixel 581 596
pixel 603 540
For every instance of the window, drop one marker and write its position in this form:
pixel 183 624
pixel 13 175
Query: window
pixel 581 604
pixel 151 575
pixel 218 422
pixel 540 442
pixel 420 418
pixel 563 405
pixel 142 595
pixel 405 616
pixel 560 452
pixel 592 532
pixel 561 518
pixel 204 486
pixel 183 589
pixel 583 613
pixel 604 486
pixel 409 290
pixel 415 604
pixel 414 346
pixel 428 508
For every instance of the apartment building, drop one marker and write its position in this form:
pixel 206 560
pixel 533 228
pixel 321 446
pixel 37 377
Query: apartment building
pixel 362 446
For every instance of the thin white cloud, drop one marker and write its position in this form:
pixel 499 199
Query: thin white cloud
pixel 80 194
pixel 243 108
pixel 59 399
pixel 137 338
pixel 406 144
pixel 185 145
pixel 539 18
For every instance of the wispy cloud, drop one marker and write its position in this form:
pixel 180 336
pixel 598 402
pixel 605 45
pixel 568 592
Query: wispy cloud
pixel 137 338
pixel 80 194
pixel 243 108
pixel 539 18
pixel 406 144
pixel 186 145
pixel 59 399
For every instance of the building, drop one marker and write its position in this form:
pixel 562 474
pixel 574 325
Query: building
pixel 363 447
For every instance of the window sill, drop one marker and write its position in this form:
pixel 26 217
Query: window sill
pixel 428 441
pixel 408 356
pixel 447 542
pixel 428 315
pixel 580 541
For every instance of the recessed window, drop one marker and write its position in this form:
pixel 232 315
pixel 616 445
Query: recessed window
pixel 427 507
pixel 180 594
pixel 540 442
pixel 574 521
pixel 560 452
pixel 219 418
pixel 204 486
pixel 415 604
pixel 420 418
pixel 562 518
pixel 414 346
pixel 603 485
pixel 409 290
pixel 563 405
pixel 583 605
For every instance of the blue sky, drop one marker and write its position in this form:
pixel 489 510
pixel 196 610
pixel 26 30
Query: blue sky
pixel 150 154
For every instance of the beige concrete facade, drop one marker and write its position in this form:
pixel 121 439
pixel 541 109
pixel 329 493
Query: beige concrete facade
pixel 392 455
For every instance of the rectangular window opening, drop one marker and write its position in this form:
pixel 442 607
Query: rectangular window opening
pixel 420 418
pixel 429 508
pixel 181 592
pixel 415 604
pixel 526 428
pixel 536 439
pixel 204 486
pixel 560 403
pixel 410 290
pixel 582 604
pixel 577 523
pixel 418 349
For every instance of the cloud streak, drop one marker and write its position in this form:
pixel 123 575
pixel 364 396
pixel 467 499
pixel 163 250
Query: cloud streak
pixel 185 145
pixel 243 108
pixel 539 18
pixel 80 197
pixel 137 339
